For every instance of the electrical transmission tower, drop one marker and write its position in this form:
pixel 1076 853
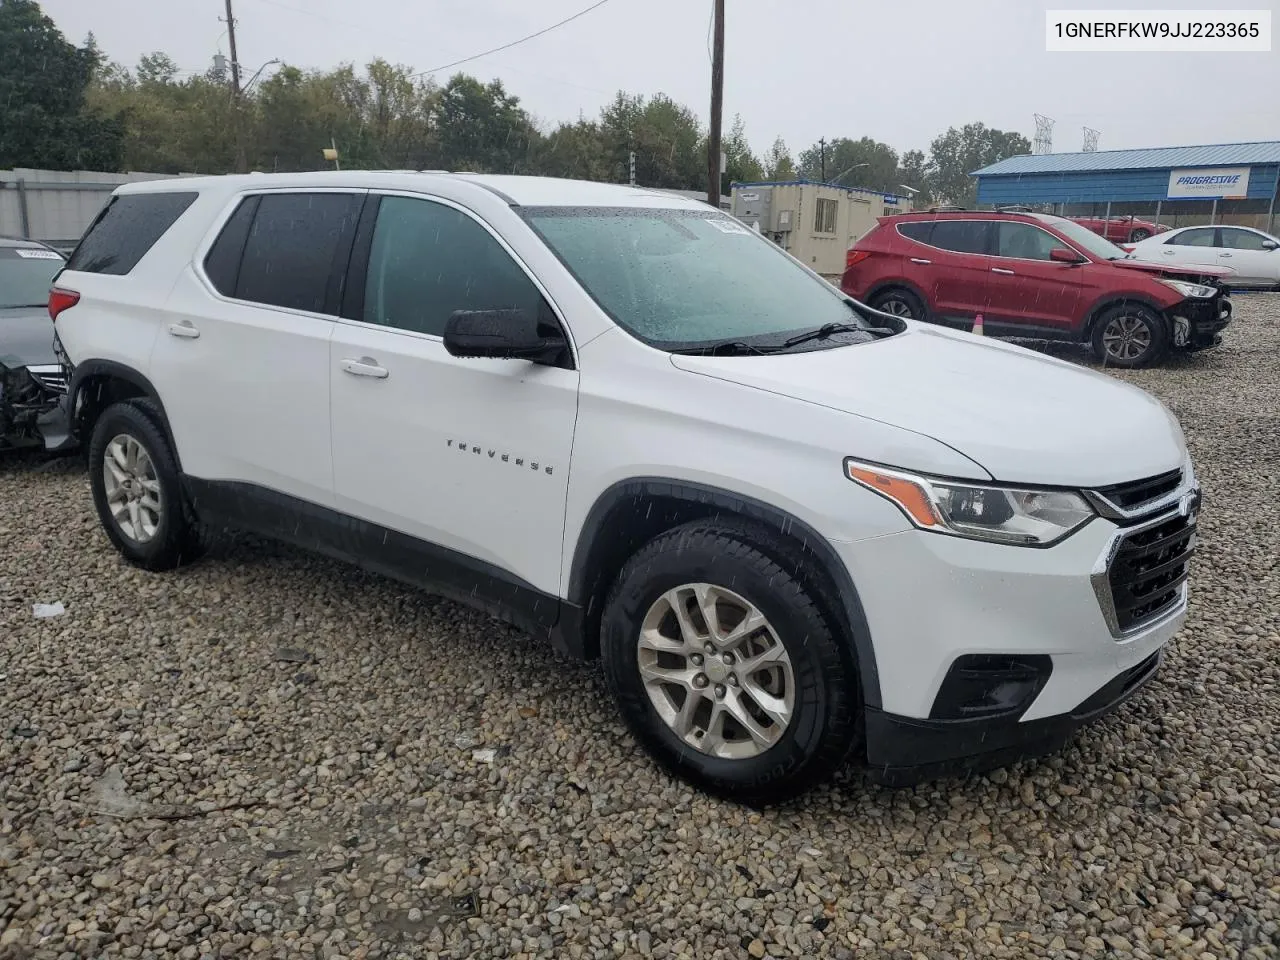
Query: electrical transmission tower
pixel 1044 135
pixel 1091 140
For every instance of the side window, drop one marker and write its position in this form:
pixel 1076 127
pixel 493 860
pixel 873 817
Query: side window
pixel 296 247
pixel 917 230
pixel 1199 237
pixel 126 229
pixel 429 260
pixel 1241 239
pixel 222 265
pixel 961 236
pixel 1024 241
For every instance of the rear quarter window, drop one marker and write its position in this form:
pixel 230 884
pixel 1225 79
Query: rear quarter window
pixel 917 230
pixel 126 229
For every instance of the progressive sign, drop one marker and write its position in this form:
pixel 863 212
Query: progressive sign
pixel 1209 183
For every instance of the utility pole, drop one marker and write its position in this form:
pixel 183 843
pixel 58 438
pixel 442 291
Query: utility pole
pixel 822 148
pixel 235 61
pixel 717 108
pixel 237 120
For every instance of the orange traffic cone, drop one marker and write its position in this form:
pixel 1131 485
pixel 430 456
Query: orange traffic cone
pixel 977 325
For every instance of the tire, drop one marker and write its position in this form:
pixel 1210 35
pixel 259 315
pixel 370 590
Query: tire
pixel 728 566
pixel 156 529
pixel 1130 336
pixel 899 302
pixel 1140 234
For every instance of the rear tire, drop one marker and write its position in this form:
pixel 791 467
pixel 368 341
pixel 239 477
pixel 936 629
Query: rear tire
pixel 1140 234
pixel 901 303
pixel 681 681
pixel 137 488
pixel 1130 336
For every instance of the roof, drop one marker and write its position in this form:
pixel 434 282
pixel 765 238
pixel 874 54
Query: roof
pixel 1219 155
pixel 524 191
pixel 816 183
pixel 19 243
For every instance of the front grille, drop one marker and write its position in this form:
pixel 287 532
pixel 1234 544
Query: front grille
pixel 1148 571
pixel 1131 496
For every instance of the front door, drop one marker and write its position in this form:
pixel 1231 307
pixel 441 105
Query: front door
pixel 1243 251
pixel 467 459
pixel 1027 289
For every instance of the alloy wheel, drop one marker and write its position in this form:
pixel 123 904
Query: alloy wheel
pixel 716 671
pixel 1127 337
pixel 898 308
pixel 132 488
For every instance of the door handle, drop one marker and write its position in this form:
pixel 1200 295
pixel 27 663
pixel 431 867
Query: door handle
pixel 1167 253
pixel 1224 254
pixel 1002 270
pixel 365 367
pixel 184 329
pixel 921 260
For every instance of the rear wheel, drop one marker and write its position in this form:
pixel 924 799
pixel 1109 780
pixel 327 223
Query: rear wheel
pixel 1130 336
pixel 1139 234
pixel 137 488
pixel 725 668
pixel 899 303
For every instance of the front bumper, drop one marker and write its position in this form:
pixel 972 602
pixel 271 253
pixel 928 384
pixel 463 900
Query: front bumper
pixel 936 605
pixel 1198 324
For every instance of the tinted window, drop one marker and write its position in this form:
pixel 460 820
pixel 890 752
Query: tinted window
pixel 916 230
pixel 960 236
pixel 297 246
pixel 1025 242
pixel 223 262
pixel 126 229
pixel 1200 237
pixel 429 260
pixel 1241 239
pixel 25 276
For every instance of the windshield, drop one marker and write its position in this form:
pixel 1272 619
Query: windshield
pixel 25 276
pixel 683 278
pixel 1084 238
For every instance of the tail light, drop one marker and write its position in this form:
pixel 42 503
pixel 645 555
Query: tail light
pixel 60 300
pixel 854 257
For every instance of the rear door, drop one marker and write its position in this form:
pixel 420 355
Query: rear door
pixel 242 360
pixel 1194 245
pixel 960 266
pixel 1243 251
pixel 1026 288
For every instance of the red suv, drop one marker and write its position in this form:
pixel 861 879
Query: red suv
pixel 1036 276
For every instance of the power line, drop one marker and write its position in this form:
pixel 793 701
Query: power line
pixel 513 43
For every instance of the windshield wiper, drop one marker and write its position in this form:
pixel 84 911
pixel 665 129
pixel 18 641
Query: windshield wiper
pixel 724 348
pixel 828 330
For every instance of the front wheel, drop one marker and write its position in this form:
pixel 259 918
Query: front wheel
pixel 1130 336
pixel 725 668
pixel 1140 234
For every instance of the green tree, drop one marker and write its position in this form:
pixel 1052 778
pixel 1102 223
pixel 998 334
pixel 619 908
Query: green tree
pixel 742 165
pixel 913 172
pixel 43 119
pixel 954 155
pixel 480 127
pixel 573 150
pixel 668 142
pixel 778 164
pixel 853 163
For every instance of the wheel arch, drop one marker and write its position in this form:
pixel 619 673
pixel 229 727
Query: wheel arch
pixel 631 512
pixel 1110 300
pixel 897 283
pixel 97 384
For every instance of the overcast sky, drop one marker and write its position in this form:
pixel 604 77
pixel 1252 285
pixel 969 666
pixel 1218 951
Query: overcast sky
pixel 900 71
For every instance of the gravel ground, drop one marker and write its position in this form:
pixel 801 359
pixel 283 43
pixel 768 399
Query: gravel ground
pixel 273 755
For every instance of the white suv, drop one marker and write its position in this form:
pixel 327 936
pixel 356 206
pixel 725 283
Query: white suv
pixel 793 528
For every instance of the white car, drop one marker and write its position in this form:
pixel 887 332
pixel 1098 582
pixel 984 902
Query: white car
pixel 795 530
pixel 1252 255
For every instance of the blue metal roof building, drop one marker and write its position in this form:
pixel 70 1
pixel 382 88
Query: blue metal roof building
pixel 1126 176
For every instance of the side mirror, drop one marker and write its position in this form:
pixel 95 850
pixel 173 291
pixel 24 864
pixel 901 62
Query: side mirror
pixel 504 335
pixel 1270 245
pixel 1063 255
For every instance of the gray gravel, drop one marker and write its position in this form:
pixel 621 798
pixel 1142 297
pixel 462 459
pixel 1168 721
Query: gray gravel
pixel 273 755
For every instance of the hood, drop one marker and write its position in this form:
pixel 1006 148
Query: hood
pixel 26 337
pixel 1024 417
pixel 1170 270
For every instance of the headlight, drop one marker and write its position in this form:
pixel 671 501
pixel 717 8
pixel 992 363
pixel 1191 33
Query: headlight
pixel 1197 291
pixel 1021 517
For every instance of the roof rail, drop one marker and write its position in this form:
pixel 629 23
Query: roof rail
pixel 945 208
